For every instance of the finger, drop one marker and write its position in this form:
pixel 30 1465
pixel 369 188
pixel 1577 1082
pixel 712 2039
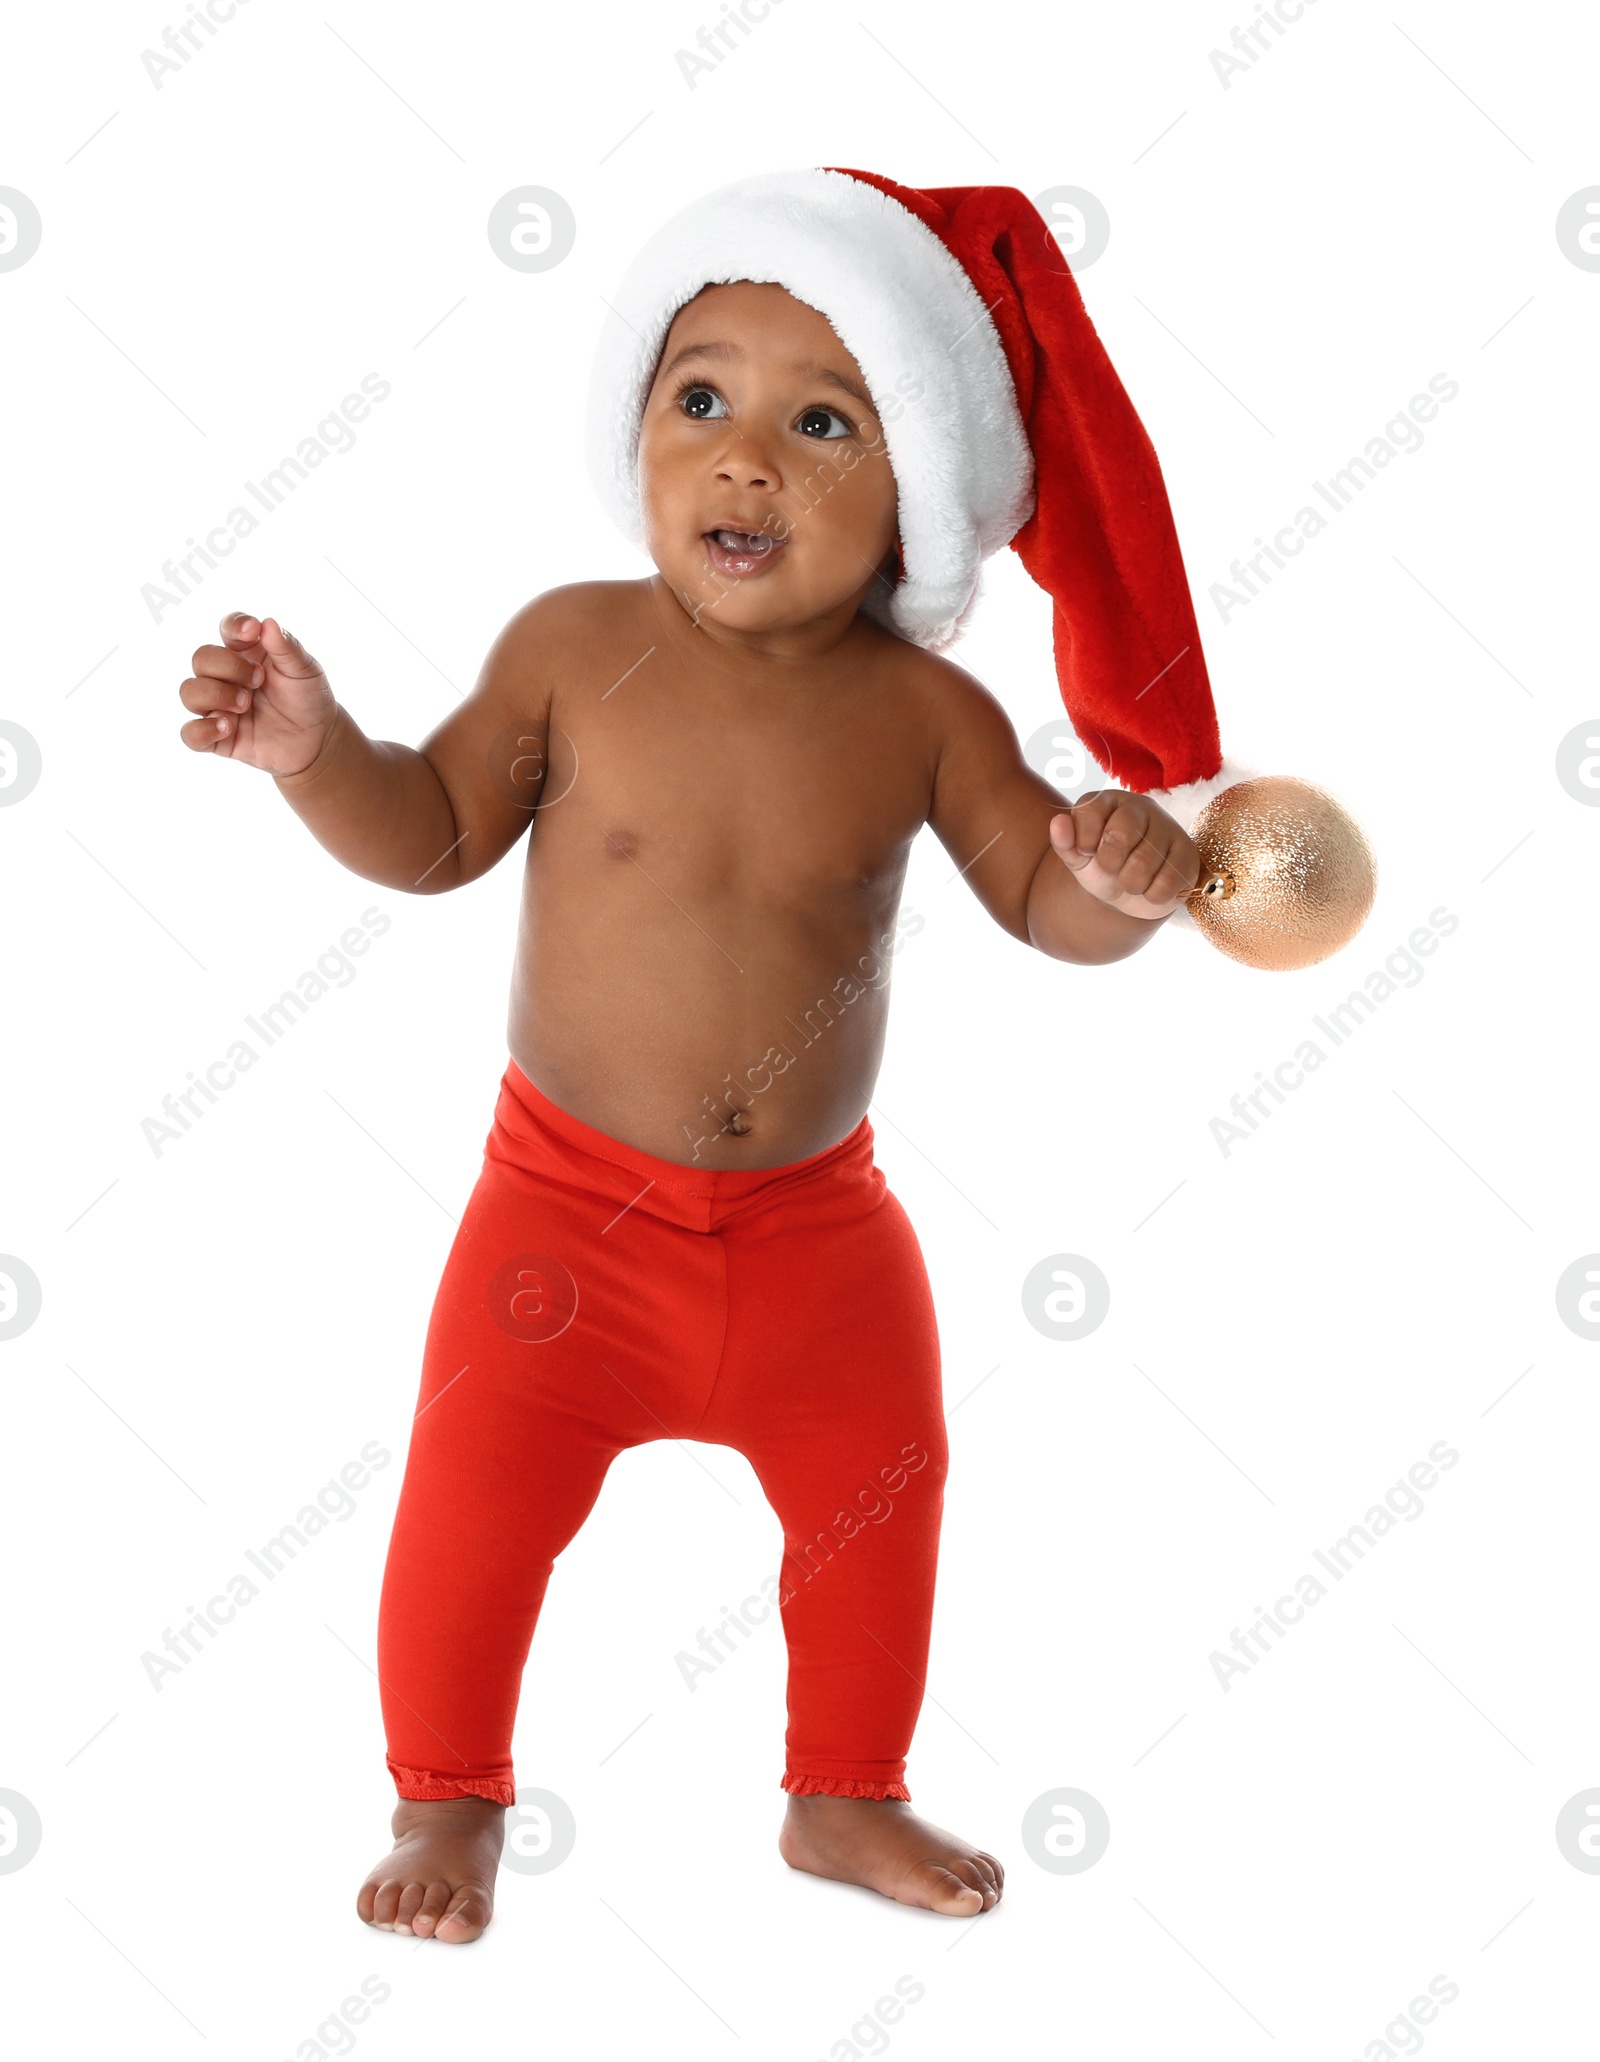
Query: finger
pixel 1131 846
pixel 238 630
pixel 1173 879
pixel 285 650
pixel 207 733
pixel 216 662
pixel 1125 828
pixel 1162 865
pixel 205 695
pixel 1137 867
pixel 1063 837
pixel 1067 836
pixel 1090 816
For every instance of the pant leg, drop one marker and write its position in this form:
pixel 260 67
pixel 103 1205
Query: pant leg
pixel 830 1385
pixel 524 1403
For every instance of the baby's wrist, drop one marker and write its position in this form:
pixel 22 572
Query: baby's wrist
pixel 327 749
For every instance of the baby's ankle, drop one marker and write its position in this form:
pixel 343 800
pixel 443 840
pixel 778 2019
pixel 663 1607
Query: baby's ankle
pixel 415 1810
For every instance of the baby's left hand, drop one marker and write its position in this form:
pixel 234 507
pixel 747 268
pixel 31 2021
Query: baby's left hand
pixel 1126 851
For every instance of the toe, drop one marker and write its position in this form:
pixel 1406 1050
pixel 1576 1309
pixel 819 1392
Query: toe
pixel 465 1917
pixel 972 1872
pixel 985 1874
pixel 366 1897
pixel 386 1902
pixel 994 1868
pixel 944 1891
pixel 410 1904
pixel 435 1904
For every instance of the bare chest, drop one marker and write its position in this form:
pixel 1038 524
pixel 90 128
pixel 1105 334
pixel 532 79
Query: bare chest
pixel 780 803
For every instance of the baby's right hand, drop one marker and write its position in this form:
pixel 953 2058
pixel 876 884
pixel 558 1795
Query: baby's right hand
pixel 259 696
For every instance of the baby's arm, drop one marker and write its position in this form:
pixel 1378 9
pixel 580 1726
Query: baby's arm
pixel 420 820
pixel 1088 882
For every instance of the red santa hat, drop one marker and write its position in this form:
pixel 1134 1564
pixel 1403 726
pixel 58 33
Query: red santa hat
pixel 1004 421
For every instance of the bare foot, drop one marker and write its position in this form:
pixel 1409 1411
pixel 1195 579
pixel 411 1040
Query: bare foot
pixel 440 1878
pixel 882 1844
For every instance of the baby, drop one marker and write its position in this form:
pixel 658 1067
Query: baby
pixel 679 1230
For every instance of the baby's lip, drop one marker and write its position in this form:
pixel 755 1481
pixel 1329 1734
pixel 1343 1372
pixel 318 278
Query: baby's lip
pixel 739 553
pixel 734 536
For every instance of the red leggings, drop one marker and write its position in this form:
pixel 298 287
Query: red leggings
pixel 596 1297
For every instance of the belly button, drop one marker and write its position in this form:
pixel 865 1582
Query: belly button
pixel 739 1124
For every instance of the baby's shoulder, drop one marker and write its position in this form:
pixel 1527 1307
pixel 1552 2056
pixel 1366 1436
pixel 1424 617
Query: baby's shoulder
pixel 562 631
pixel 580 609
pixel 952 699
pixel 560 636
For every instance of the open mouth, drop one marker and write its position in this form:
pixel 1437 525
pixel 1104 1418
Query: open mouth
pixel 739 553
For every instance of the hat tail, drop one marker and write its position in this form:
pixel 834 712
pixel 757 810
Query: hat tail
pixel 1101 540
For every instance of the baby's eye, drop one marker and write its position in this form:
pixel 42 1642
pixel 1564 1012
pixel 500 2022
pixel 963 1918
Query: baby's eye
pixel 703 403
pixel 815 422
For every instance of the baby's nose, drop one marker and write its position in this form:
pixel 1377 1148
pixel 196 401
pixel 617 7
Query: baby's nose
pixel 746 463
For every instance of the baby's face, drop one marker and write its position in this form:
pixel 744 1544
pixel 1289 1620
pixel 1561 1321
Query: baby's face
pixel 769 501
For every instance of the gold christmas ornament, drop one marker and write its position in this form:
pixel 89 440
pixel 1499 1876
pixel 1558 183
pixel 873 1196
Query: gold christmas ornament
pixel 1287 876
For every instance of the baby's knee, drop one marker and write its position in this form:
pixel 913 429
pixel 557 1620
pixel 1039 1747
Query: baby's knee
pixel 919 1465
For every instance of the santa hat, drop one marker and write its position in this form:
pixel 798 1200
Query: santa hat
pixel 1004 421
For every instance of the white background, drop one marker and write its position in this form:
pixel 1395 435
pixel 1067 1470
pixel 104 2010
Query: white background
pixel 1292 1324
